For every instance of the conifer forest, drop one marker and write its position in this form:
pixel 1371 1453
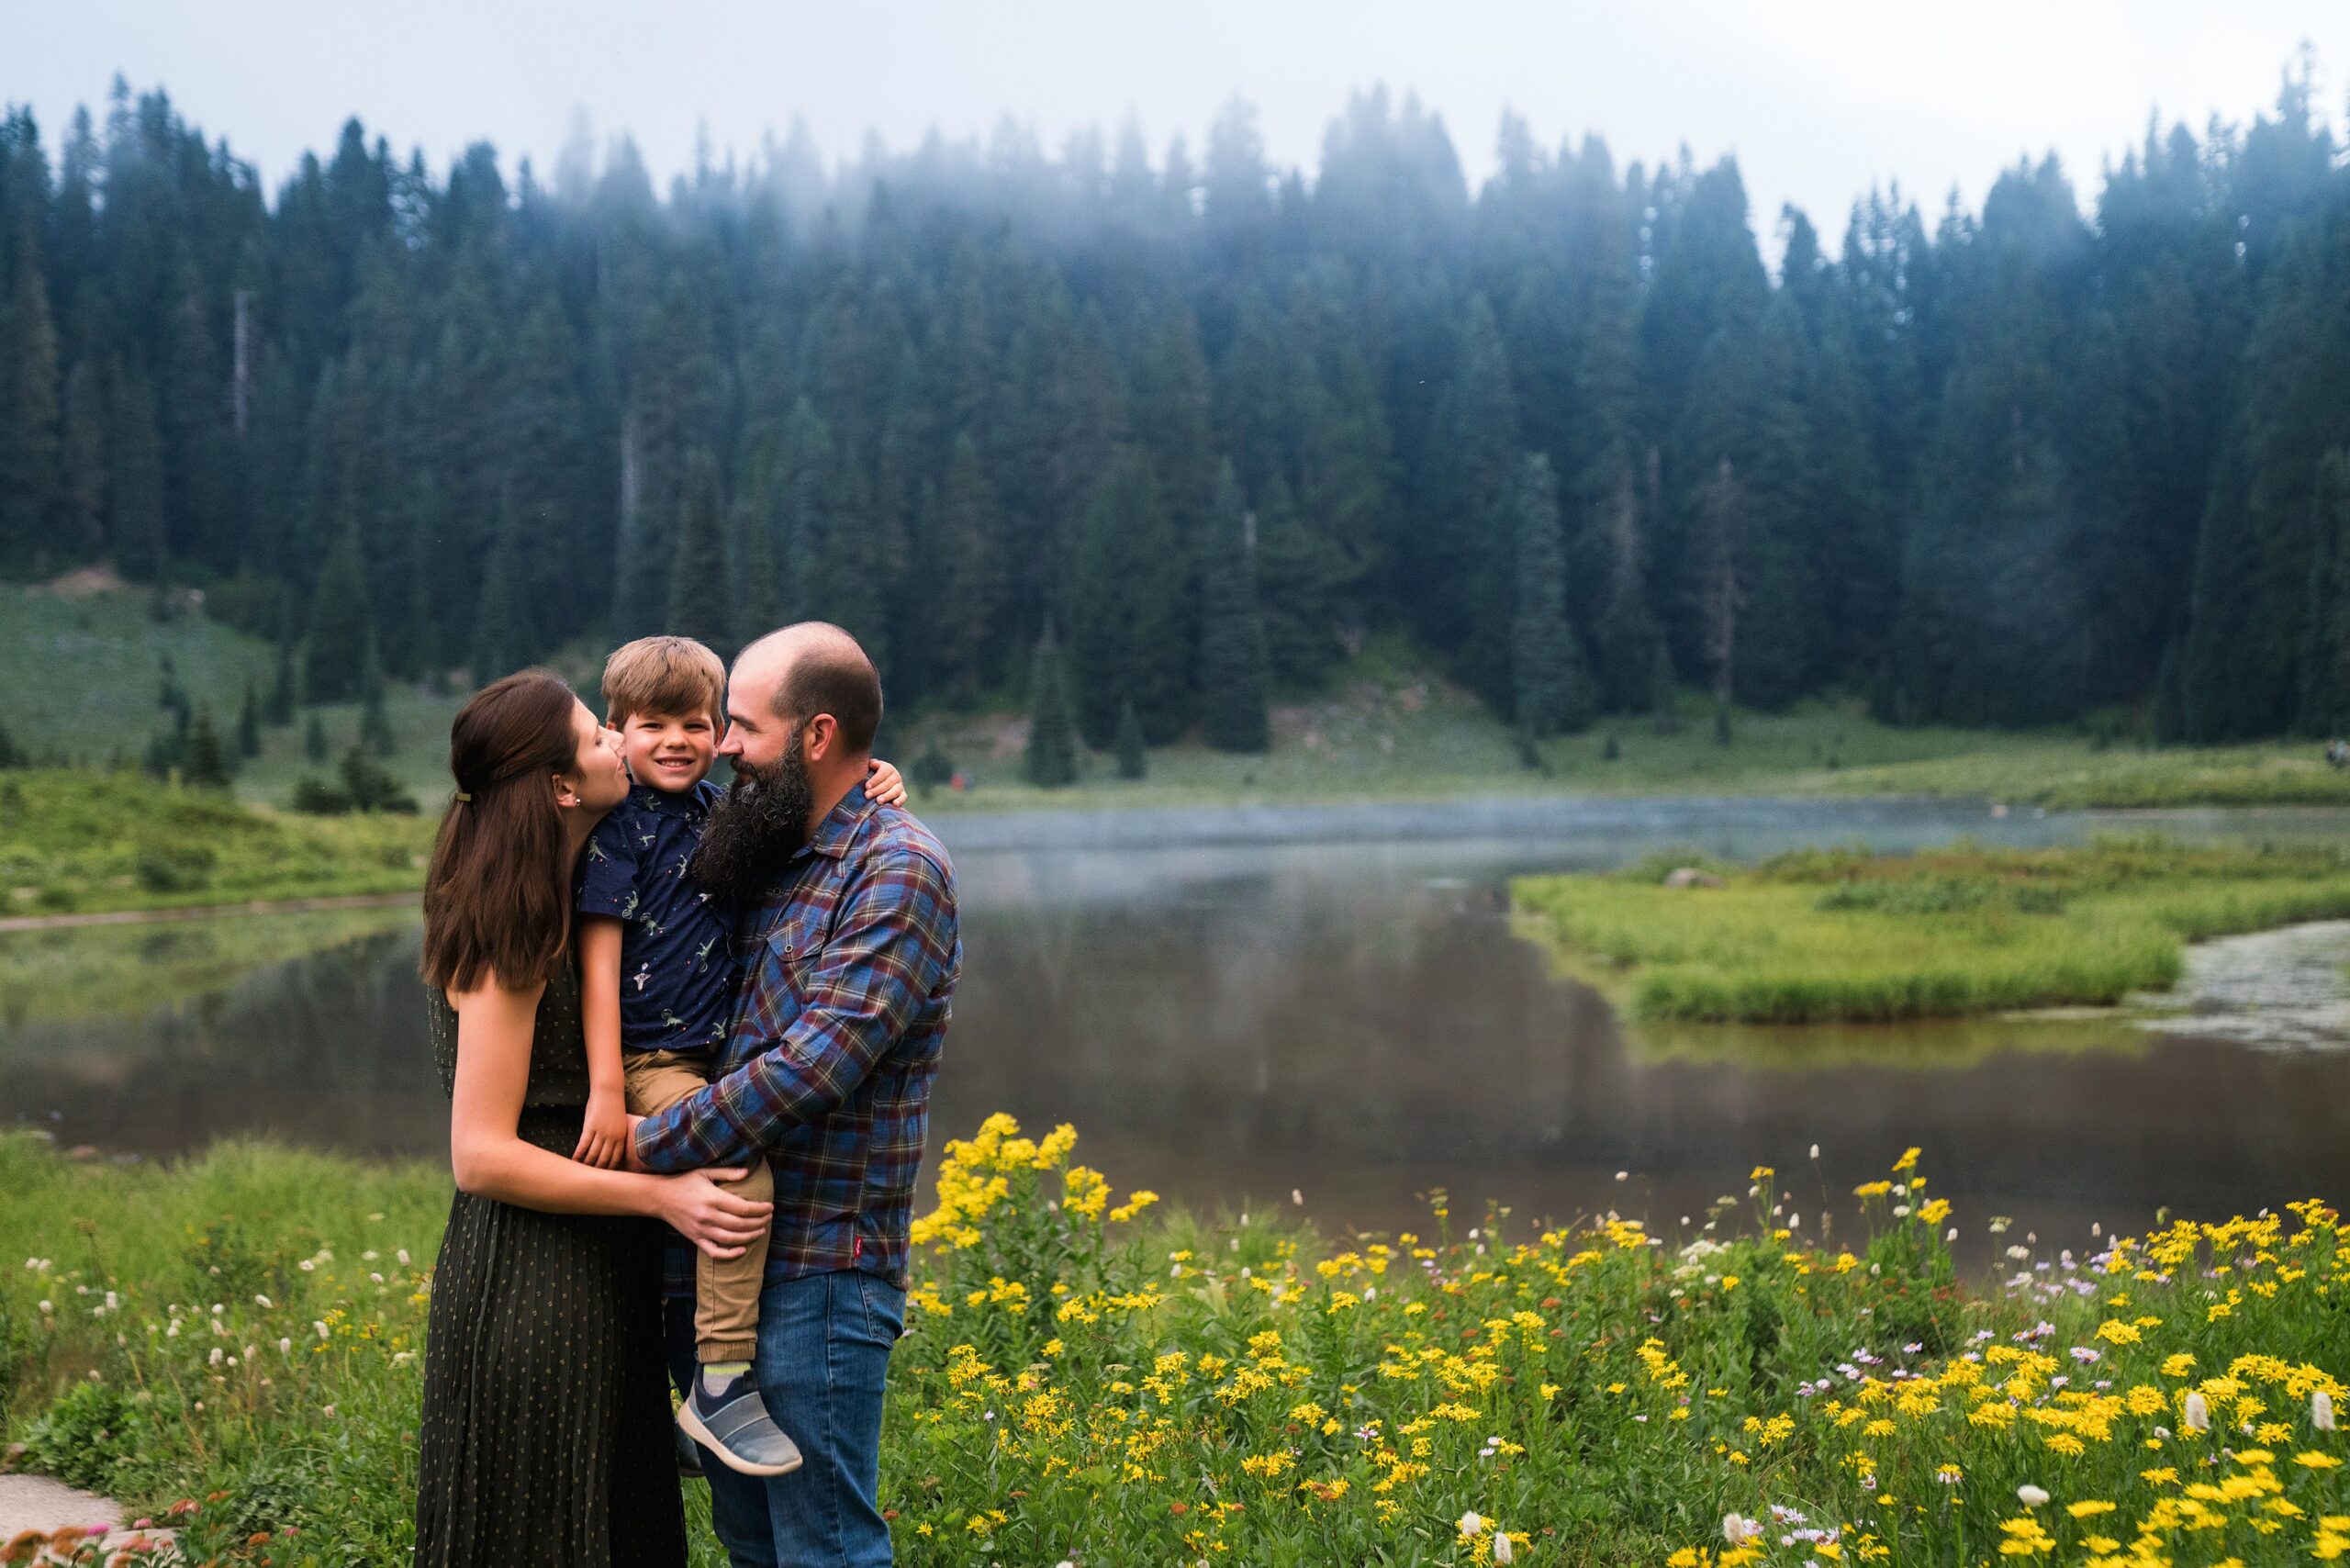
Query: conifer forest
pixel 1176 430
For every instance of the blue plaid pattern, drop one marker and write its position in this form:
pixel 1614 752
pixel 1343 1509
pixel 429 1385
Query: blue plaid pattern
pixel 850 960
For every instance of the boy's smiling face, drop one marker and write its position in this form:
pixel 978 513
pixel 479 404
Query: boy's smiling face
pixel 670 752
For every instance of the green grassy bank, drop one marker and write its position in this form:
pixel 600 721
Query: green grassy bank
pixel 80 672
pixel 1831 936
pixel 80 840
pixel 1090 1380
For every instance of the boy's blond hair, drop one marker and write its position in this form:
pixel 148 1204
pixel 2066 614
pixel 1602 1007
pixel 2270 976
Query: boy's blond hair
pixel 664 675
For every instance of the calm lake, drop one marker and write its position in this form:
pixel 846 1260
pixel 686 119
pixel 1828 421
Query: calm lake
pixel 1235 1006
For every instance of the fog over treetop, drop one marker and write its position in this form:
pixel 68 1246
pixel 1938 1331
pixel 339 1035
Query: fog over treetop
pixel 1207 425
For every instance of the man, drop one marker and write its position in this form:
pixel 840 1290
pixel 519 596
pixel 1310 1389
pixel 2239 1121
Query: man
pixel 850 945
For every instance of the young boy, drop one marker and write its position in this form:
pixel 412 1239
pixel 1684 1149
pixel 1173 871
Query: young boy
pixel 657 983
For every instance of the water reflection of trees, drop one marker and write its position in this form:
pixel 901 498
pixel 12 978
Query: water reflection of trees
pixel 93 971
pixel 1286 1029
pixel 327 1048
pixel 1333 1021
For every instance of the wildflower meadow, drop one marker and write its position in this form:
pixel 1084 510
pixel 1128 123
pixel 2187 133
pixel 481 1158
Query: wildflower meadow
pixel 1799 1376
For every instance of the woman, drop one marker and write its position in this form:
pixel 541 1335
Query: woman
pixel 545 1437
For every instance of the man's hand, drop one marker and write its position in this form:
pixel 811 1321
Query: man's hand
pixel 604 1137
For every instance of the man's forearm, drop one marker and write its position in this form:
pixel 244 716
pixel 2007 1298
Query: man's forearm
pixel 799 1079
pixel 691 1134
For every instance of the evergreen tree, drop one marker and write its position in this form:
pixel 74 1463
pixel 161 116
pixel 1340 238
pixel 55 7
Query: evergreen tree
pixel 340 632
pixel 198 487
pixel 279 711
pixel 248 723
pixel 29 488
pixel 10 756
pixel 376 735
pixel 967 536
pixel 1722 508
pixel 1464 552
pixel 500 622
pixel 81 465
pixel 1233 663
pixel 2325 664
pixel 204 761
pixel 1551 694
pixel 697 581
pixel 2170 696
pixel 1629 636
pixel 314 738
pixel 1297 579
pixel 1051 760
pixel 750 569
pixel 1664 715
pixel 2013 467
pixel 134 488
pixel 1134 760
pixel 1126 642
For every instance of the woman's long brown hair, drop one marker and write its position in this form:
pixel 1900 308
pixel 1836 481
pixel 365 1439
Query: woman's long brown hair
pixel 496 897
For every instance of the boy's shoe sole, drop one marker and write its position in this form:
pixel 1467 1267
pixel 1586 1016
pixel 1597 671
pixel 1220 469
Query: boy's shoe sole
pixel 712 1446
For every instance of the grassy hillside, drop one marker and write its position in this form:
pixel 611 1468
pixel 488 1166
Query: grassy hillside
pixel 77 839
pixel 1391 731
pixel 80 674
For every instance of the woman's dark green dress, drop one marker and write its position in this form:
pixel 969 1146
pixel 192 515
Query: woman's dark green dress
pixel 545 1441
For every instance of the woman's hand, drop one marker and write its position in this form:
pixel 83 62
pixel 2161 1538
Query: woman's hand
pixel 697 1208
pixel 603 1138
pixel 884 785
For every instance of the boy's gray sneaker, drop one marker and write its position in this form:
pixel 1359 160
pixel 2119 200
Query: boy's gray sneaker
pixel 733 1424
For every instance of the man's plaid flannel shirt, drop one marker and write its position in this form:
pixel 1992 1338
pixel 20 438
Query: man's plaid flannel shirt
pixel 850 962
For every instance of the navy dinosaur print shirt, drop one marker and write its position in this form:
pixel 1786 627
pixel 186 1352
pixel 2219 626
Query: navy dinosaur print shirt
pixel 677 971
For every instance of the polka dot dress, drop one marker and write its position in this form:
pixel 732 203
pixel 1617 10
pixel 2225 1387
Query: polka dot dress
pixel 545 1441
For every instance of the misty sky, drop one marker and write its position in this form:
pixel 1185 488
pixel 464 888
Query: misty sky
pixel 1817 99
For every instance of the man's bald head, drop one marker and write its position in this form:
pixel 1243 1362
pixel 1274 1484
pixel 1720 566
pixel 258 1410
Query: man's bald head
pixel 815 667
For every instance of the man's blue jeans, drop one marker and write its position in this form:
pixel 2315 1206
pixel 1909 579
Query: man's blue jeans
pixel 824 1345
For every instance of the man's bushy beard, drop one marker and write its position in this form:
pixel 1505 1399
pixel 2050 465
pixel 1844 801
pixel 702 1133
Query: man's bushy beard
pixel 760 823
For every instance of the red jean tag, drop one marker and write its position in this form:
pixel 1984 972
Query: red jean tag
pixel 856 1248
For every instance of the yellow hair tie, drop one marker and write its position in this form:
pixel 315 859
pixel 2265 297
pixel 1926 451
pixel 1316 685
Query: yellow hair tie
pixel 463 795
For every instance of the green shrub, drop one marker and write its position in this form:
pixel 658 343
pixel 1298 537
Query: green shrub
pixel 174 868
pixel 314 797
pixel 84 1435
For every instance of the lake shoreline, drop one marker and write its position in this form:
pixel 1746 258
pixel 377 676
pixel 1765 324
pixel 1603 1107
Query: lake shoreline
pixel 1240 824
pixel 16 922
pixel 1831 936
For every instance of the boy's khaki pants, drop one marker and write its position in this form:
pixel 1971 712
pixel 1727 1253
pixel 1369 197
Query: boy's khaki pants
pixel 726 1290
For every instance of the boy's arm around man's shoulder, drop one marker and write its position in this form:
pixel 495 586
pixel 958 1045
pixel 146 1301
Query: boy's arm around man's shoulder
pixel 894 943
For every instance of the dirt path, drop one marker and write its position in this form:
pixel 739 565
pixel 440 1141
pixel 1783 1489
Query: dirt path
pixel 203 912
pixel 40 1504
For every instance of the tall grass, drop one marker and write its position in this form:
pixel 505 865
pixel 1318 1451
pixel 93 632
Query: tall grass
pixel 1851 936
pixel 1086 1380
